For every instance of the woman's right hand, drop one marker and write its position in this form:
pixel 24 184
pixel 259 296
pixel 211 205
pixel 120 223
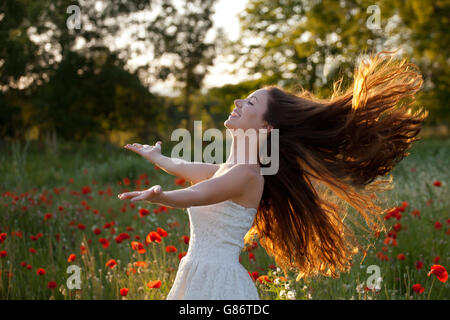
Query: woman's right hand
pixel 146 151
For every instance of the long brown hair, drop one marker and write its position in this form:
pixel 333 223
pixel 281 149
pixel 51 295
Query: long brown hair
pixel 330 153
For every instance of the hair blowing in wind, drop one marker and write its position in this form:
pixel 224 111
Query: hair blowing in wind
pixel 331 152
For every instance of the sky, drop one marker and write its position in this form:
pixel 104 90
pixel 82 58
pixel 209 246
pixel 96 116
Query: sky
pixel 225 16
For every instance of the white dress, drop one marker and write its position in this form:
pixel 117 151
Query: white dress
pixel 211 269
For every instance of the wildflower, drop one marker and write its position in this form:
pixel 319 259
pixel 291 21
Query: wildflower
pixel 142 264
pixel 415 213
pixel 180 181
pixel 40 272
pixel 138 246
pixel 439 271
pixel 153 236
pixel 86 190
pixel 186 239
pixel 291 295
pixel 251 256
pixel 51 285
pixel 263 278
pixel 97 231
pixel 161 232
pixel 401 256
pixel 419 265
pixel 81 226
pixel 144 212
pixel 126 181
pixel 438 225
pixel 104 242
pixel 418 288
pixel 47 216
pixel 181 255
pixel 124 292
pixel 171 249
pixel 3 253
pixel 32 250
pixel 122 236
pixel 154 284
pixel 436 259
pixel 111 263
pixel 437 183
pixel 71 258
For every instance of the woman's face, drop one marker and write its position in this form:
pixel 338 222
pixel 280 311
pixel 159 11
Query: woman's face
pixel 248 113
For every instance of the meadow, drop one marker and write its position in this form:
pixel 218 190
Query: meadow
pixel 59 207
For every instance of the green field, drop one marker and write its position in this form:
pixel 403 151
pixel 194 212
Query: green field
pixel 78 185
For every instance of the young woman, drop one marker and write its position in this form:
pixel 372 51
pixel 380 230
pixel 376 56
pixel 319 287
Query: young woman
pixel 330 153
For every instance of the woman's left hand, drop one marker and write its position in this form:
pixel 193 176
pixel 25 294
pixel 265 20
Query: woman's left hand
pixel 152 194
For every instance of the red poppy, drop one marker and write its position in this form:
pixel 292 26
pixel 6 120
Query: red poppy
pixel 419 265
pixel 171 249
pixel 397 226
pixel 40 272
pixel 124 292
pixel 97 231
pixel 161 232
pixel 437 183
pixel 254 275
pixel 51 285
pixel 104 242
pixel 153 236
pixel 439 271
pixel 154 284
pixel 418 288
pixel 137 246
pixel 186 239
pixel 81 226
pixel 2 237
pixel 3 253
pixel 415 213
pixel 126 181
pixel 71 258
pixel 47 216
pixel 251 256
pixel 140 264
pixel 181 255
pixel 401 256
pixel 86 190
pixel 438 225
pixel 83 249
pixel 144 212
pixel 32 250
pixel 111 263
pixel 121 237
pixel 263 278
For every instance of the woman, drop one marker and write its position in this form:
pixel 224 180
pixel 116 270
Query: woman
pixel 330 153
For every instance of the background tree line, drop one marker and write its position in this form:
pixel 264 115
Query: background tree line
pixel 71 84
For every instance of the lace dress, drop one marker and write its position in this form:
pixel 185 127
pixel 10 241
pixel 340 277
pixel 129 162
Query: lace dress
pixel 211 269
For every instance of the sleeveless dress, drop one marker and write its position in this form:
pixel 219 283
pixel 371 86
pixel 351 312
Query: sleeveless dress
pixel 211 269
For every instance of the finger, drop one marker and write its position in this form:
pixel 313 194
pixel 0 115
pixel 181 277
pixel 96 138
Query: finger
pixel 140 197
pixel 132 148
pixel 128 195
pixel 137 145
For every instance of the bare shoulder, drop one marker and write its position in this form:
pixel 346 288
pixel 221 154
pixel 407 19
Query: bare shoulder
pixel 254 185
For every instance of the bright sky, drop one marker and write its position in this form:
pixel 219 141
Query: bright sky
pixel 225 16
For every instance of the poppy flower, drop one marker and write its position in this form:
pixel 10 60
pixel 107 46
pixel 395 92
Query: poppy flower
pixel 104 242
pixel 126 181
pixel 181 255
pixel 161 232
pixel 437 183
pixel 97 231
pixel 32 250
pixel 251 256
pixel 86 190
pixel 142 264
pixel 153 236
pixel 415 213
pixel 254 275
pixel 51 285
pixel 171 249
pixel 186 239
pixel 401 256
pixel 439 271
pixel 83 249
pixel 47 216
pixel 124 292
pixel 263 278
pixel 40 272
pixel 71 258
pixel 419 265
pixel 2 237
pixel 436 259
pixel 81 226
pixel 154 284
pixel 438 225
pixel 144 212
pixel 3 253
pixel 111 263
pixel 121 237
pixel 137 246
pixel 418 288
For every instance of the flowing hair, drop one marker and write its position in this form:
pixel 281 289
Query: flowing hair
pixel 330 153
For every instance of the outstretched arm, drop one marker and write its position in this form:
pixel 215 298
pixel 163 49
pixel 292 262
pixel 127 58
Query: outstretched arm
pixel 191 171
pixel 231 184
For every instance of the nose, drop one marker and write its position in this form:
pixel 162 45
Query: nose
pixel 237 102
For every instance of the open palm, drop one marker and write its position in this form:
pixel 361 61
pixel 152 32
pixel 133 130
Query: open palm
pixel 146 151
pixel 152 194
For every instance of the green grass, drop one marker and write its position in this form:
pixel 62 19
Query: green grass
pixel 37 171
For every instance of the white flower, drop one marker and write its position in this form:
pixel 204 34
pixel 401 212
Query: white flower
pixel 291 295
pixel 286 286
pixel 276 281
pixel 282 293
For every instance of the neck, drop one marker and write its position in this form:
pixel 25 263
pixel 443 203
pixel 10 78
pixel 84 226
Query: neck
pixel 243 152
